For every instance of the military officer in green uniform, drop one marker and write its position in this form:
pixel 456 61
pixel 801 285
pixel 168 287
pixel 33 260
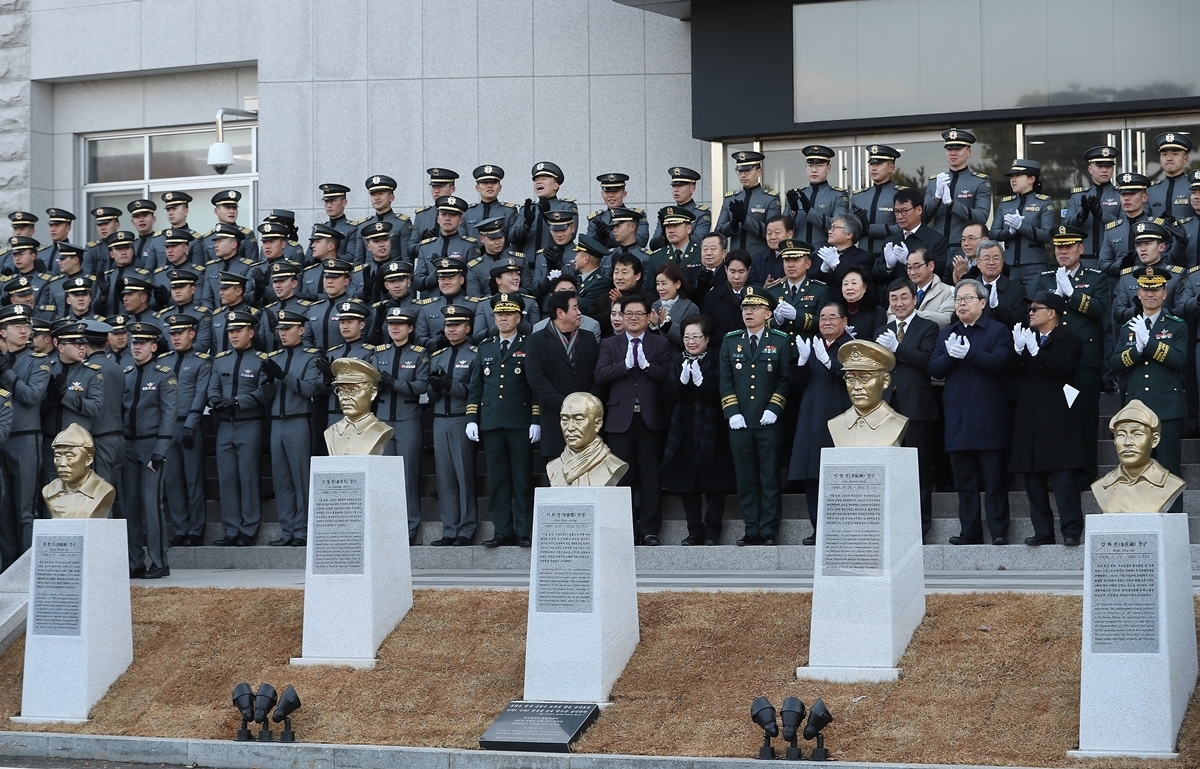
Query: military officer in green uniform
pixel 1086 291
pixel 502 412
pixel 798 297
pixel 1151 351
pixel 1151 241
pixel 450 372
pixel 446 243
pixel 677 222
pixel 613 193
pixel 744 216
pixel 815 206
pixel 683 191
pixel 1023 222
pixel 487 184
pixel 754 389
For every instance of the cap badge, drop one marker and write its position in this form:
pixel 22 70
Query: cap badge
pixel 1062 230
pixel 741 156
pixel 379 226
pixel 1141 227
pixel 874 149
pixel 487 169
pixel 345 306
pixel 1170 137
pixel 231 317
pixel 540 167
pixel 953 133
pixel 1149 272
pixel 282 313
pixel 675 172
pixel 1105 152
pixel 374 180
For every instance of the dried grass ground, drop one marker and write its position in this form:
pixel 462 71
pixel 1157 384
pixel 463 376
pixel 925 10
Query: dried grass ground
pixel 988 678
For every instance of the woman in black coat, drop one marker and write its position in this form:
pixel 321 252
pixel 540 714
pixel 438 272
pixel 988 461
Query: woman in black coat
pixel 863 313
pixel 698 462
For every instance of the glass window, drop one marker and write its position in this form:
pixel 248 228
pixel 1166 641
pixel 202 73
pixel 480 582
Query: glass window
pixel 1060 150
pixel 120 159
pixel 201 214
pixel 186 154
pixel 731 177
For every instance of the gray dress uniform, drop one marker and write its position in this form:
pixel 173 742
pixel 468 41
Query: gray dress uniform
pixel 110 287
pixel 1117 252
pixel 108 429
pixel 79 401
pixel 150 401
pixel 1025 249
pixel 1169 198
pixel 376 333
pixel 208 291
pixel 291 434
pixel 404 378
pixel 879 226
pixel 247 249
pixel 537 230
pixel 604 218
pixel 970 201
pixel 825 202
pixel 322 330
pixel 238 394
pixel 431 250
pixel 204 324
pixel 355 248
pixel 514 224
pixel 96 260
pixel 430 317
pixel 453 452
pixel 220 327
pixel 149 251
pixel 1108 200
pixel 184 472
pixel 479 271
pixel 53 296
pixel 21 455
pixel 268 322
pixel 342 225
pixel 760 204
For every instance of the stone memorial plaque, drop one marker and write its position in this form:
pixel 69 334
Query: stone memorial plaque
pixel 565 551
pixel 852 520
pixel 1124 589
pixel 544 727
pixel 339 510
pixel 57 585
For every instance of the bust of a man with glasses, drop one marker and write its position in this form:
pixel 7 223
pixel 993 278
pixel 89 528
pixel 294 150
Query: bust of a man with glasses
pixel 355 383
pixel 869 421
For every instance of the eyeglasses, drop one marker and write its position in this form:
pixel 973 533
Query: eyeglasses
pixel 903 211
pixel 1033 309
pixel 916 267
pixel 967 299
pixel 693 337
pixel 970 238
pixel 635 314
pixel 989 258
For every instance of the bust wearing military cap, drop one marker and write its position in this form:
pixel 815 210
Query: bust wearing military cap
pixel 78 492
pixel 869 421
pixel 1139 484
pixel 355 383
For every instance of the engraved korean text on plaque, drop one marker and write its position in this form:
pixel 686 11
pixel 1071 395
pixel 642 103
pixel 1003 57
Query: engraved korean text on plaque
pixel 565 552
pixel 1124 589
pixel 57 605
pixel 338 510
pixel 852 520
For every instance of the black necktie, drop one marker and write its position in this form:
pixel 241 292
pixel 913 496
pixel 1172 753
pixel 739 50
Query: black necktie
pixel 753 346
pixel 503 348
pixel 1149 324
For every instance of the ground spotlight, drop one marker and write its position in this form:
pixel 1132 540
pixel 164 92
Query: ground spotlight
pixel 264 700
pixel 289 702
pixel 792 714
pixel 818 718
pixel 243 700
pixel 763 713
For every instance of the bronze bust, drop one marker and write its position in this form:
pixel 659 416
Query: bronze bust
pixel 1139 484
pixel 869 421
pixel 355 383
pixel 78 492
pixel 586 460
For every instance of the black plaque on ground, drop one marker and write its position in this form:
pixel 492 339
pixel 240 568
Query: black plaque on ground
pixel 539 727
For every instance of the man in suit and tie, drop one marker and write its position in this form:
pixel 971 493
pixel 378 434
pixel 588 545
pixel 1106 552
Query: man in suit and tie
pixel 908 210
pixel 561 360
pixel 1006 298
pixel 633 365
pixel 911 339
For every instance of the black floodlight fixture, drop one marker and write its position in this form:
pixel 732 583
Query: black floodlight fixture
pixel 243 700
pixel 818 718
pixel 792 714
pixel 264 700
pixel 763 713
pixel 289 702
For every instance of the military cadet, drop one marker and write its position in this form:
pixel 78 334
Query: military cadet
pixel 679 248
pixel 873 205
pixel 504 414
pixel 1023 222
pixel 322 329
pixel 1150 354
pixel 451 283
pixel 25 272
pixel 547 180
pixel 1167 198
pixel 683 188
pixel 225 206
pixel 298 380
pixel 182 284
pixel 352 321
pixel 238 394
pixel 382 192
pixel 505 279
pixel 447 242
pixel 754 389
pixel 274 238
pixel 107 428
pixel 424 222
pixel 557 256
pixel 95 254
pixel 176 204
pixel 116 342
pixel 798 297
pixel 744 216
pixel 224 241
pixel 1151 242
pixel 184 472
pixel 22 224
pixel 150 405
pixel 78 302
pixel 284 278
pixel 493 250
pixel 232 296
pixel 366 282
pixel 40 339
pixel 594 284
pixel 1088 297
pixel 51 299
pixel 75 394
pixel 613 193
pixel 624 235
pixel 25 374
pixel 815 206
pixel 1191 223
pixel 325 244
pixel 333 197
pixel 1094 205
pixel 122 254
pixel 959 195
pixel 148 247
pixel 60 221
pixel 397 282
pixel 281 217
pixel 487 184
pixel 403 378
pixel 135 299
pixel 178 243
pixel 450 372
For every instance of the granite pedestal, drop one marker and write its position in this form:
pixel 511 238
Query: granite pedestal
pixel 357 577
pixel 869 578
pixel 79 630
pixel 1139 635
pixel 583 615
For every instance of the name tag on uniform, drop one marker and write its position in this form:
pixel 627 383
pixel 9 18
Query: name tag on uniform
pixel 410 364
pixel 965 195
pixel 249 373
pixel 1032 208
pixel 462 364
pixel 758 209
pixel 149 386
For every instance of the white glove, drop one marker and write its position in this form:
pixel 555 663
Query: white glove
pixel 850 330
pixel 901 252
pixel 820 352
pixel 1141 334
pixel 768 418
pixel 697 374
pixel 737 422
pixel 1062 282
pixel 642 362
pixel 1031 342
pixel 685 376
pixel 830 258
pixel 1018 338
pixel 943 182
pixel 947 195
pixel 803 350
pixel 993 296
pixel 630 362
pixel 1013 221
pixel 889 255
pixel 473 431
pixel 957 346
pixel 535 433
pixel 784 312
pixel 555 274
pixel 888 339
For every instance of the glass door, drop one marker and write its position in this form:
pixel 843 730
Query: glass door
pixel 1060 147
pixel 1143 131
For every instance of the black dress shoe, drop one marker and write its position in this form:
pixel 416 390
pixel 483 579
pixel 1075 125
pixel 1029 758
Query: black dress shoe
pixel 526 542
pixel 281 542
pixel 1039 539
pixel 226 542
pixel 157 572
pixel 769 541
pixel 443 542
pixel 299 543
pixel 650 540
pixel 500 541
pixel 137 573
pixel 1071 541
pixel 690 540
pixel 999 540
pixel 710 541
pixel 193 542
pixel 179 540
pixel 244 541
pixel 810 540
pixel 960 540
pixel 1109 387
pixel 462 541
pixel 749 539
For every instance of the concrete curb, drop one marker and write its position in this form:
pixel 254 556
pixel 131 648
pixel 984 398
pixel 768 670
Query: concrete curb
pixel 253 755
